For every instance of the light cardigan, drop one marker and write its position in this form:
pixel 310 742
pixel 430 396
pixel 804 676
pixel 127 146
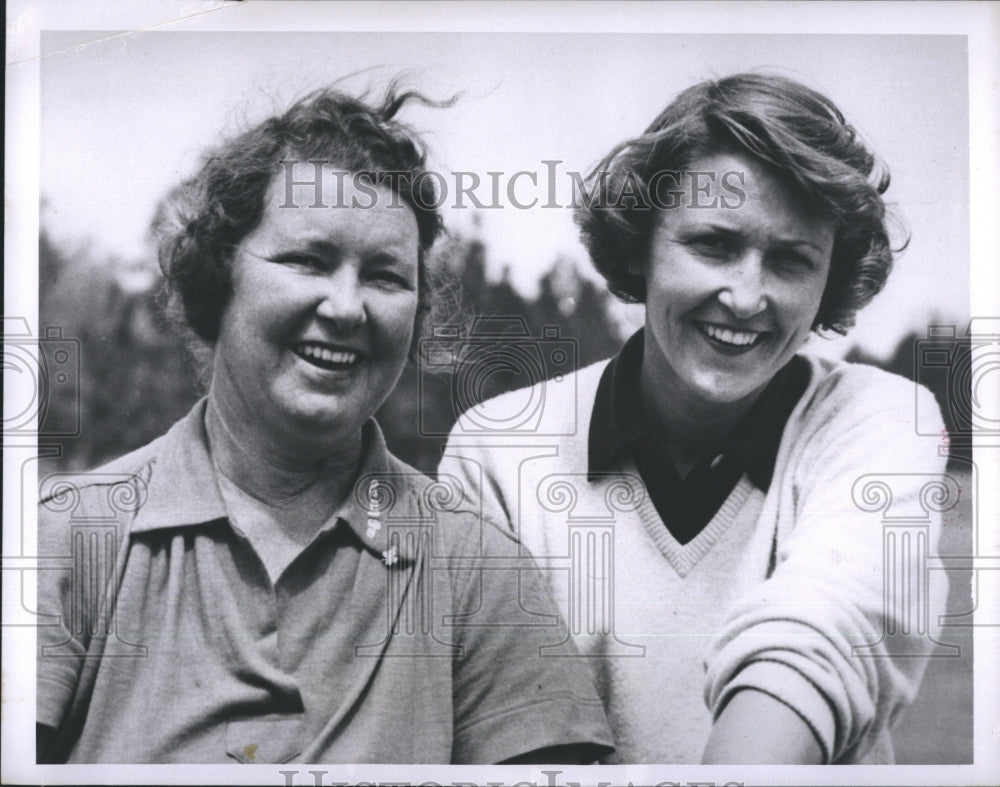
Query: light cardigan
pixel 809 592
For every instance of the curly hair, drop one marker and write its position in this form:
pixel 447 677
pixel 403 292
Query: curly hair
pixel 794 131
pixel 200 222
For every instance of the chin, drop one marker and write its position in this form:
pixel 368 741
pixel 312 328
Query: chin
pixel 319 419
pixel 725 390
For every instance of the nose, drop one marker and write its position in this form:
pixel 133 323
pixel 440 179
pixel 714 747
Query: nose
pixel 744 294
pixel 342 302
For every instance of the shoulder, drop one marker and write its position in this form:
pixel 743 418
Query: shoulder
pixel 461 527
pixel 559 405
pixel 122 476
pixel 97 502
pixel 854 416
pixel 559 387
pixel 116 491
pixel 838 389
pixel 843 376
pixel 490 442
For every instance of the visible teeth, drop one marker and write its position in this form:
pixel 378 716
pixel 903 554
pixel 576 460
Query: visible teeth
pixel 728 336
pixel 328 355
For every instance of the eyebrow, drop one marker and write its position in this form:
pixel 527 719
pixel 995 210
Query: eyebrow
pixel 381 255
pixel 732 232
pixel 321 245
pixel 791 242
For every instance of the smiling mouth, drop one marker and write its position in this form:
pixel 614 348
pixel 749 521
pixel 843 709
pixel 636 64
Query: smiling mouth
pixel 731 338
pixel 326 356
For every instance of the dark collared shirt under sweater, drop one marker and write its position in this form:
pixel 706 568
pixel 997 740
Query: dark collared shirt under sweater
pixel 619 429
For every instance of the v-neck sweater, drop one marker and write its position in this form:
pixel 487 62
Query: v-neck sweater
pixel 686 503
pixel 784 592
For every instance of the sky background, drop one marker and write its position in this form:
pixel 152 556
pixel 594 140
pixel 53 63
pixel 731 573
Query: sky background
pixel 125 116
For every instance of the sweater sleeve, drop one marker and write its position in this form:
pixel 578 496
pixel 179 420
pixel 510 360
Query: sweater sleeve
pixel 841 630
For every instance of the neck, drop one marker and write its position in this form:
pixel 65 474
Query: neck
pixel 689 428
pixel 271 470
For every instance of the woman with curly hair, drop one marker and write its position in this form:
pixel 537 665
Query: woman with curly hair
pixel 737 609
pixel 271 584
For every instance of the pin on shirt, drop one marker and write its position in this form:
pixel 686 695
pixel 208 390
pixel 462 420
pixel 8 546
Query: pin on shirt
pixel 374 525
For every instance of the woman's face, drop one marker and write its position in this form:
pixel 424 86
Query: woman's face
pixel 322 311
pixel 733 284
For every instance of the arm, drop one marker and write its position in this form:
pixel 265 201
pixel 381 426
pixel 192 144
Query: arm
pixel 756 729
pixel 72 603
pixel 512 701
pixel 815 636
pixel 61 646
pixel 567 754
pixel 43 739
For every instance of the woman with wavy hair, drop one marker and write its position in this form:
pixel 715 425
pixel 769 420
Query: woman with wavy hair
pixel 736 609
pixel 271 584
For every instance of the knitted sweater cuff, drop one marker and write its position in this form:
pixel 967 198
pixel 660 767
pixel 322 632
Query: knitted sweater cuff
pixel 790 687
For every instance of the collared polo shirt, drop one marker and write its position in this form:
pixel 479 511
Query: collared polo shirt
pixel 408 630
pixel 619 428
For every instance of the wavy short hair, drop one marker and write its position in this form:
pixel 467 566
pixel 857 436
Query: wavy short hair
pixel 201 222
pixel 795 132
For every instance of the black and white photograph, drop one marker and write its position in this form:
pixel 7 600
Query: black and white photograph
pixel 501 393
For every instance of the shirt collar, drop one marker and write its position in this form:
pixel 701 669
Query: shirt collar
pixel 379 496
pixel 617 419
pixel 183 490
pixel 758 436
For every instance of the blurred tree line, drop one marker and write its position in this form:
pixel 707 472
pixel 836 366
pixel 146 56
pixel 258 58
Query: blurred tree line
pixel 136 376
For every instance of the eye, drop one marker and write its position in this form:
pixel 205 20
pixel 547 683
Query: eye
pixel 793 260
pixel 713 245
pixel 390 271
pixel 300 260
pixel 391 277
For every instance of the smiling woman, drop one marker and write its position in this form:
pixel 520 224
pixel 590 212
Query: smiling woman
pixel 745 568
pixel 321 319
pixel 731 295
pixel 278 586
